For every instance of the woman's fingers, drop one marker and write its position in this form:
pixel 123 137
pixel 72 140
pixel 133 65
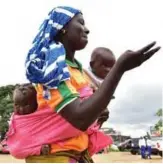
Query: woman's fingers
pixel 149 54
pixel 146 48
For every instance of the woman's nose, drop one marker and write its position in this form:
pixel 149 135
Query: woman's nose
pixel 86 30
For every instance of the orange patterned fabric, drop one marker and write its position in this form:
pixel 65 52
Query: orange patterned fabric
pixel 66 93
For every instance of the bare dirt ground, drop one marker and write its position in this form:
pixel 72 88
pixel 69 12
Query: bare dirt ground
pixel 116 157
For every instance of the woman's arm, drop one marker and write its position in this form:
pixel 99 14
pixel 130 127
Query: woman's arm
pixel 82 114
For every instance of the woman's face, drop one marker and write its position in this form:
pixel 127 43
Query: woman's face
pixel 77 32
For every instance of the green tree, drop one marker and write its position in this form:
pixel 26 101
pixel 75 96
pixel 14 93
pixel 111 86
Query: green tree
pixel 6 107
pixel 158 125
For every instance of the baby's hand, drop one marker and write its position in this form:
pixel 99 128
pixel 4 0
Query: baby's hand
pixel 103 117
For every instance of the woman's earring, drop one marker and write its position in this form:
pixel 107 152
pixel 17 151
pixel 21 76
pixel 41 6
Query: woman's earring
pixel 63 31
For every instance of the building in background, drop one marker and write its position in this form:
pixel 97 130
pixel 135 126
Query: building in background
pixel 154 132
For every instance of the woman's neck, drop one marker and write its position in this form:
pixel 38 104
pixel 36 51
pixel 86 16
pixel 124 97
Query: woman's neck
pixel 70 55
pixel 70 52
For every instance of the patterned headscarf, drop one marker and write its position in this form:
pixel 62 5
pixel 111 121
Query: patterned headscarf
pixel 45 62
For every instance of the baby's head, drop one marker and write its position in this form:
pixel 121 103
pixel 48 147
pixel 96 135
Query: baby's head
pixel 102 60
pixel 25 99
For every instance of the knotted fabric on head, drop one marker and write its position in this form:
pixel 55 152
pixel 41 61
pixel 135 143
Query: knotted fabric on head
pixel 45 62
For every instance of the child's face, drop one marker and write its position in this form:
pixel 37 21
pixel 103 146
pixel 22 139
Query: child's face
pixel 102 66
pixel 24 100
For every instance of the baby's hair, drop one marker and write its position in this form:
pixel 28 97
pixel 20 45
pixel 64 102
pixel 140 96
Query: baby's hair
pixel 96 52
pixel 25 85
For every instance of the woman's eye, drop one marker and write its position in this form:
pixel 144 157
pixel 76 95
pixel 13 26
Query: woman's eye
pixel 81 22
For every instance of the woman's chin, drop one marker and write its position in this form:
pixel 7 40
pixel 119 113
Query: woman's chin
pixel 82 45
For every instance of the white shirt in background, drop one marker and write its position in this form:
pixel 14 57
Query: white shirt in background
pixel 142 142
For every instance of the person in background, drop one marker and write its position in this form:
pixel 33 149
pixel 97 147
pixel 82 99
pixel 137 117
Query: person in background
pixel 148 147
pixel 142 147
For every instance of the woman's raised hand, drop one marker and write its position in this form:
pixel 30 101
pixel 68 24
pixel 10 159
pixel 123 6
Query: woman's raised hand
pixel 132 59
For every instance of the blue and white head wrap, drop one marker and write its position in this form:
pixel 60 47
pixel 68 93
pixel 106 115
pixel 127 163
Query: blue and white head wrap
pixel 45 62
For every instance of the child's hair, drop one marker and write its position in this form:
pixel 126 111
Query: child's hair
pixel 98 51
pixel 27 85
pixel 23 89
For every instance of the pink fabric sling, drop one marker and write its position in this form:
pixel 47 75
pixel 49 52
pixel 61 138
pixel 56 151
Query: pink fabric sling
pixel 28 132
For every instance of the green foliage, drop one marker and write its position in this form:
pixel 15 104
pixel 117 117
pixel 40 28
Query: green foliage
pixel 6 107
pixel 158 125
pixel 159 113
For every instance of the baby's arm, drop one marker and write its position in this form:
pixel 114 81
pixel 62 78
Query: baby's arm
pixel 96 82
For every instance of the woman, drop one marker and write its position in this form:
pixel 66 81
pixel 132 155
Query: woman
pixel 61 82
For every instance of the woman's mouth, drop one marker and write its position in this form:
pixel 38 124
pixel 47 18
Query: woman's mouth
pixel 85 37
